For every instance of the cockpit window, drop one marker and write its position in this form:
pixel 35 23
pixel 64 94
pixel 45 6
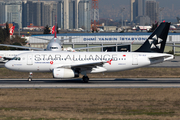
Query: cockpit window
pixel 54 47
pixel 16 58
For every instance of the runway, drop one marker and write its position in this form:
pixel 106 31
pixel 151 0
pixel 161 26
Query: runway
pixel 93 83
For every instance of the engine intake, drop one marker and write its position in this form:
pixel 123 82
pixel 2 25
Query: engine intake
pixel 64 73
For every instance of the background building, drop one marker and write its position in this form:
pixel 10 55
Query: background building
pixel 13 13
pixel 103 39
pixel 2 12
pixel 60 14
pixel 138 9
pixel 46 12
pixel 71 14
pixel 84 20
pixel 131 10
pixel 152 10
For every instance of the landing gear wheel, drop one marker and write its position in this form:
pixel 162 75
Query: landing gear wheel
pixel 30 76
pixel 29 79
pixel 85 79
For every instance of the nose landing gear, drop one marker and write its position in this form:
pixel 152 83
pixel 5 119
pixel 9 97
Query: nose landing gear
pixel 30 76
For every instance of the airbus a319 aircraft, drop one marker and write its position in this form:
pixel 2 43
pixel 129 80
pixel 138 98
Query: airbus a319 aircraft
pixel 71 64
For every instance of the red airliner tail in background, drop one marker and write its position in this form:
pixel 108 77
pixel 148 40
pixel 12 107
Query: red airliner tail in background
pixel 11 31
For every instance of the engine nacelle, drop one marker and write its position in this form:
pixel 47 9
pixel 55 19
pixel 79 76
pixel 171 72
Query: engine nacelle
pixel 64 73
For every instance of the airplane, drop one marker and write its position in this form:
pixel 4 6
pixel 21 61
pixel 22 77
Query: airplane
pixel 71 64
pixel 147 28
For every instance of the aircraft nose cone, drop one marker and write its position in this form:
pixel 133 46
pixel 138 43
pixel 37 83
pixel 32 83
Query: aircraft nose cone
pixel 8 65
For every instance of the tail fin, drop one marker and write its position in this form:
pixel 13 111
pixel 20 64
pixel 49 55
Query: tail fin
pixel 11 31
pixel 157 40
pixel 53 30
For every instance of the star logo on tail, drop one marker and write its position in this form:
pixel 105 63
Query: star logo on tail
pixel 155 42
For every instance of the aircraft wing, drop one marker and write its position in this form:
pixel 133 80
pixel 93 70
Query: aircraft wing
pixel 52 38
pixel 43 38
pixel 23 47
pixel 85 65
pixel 83 48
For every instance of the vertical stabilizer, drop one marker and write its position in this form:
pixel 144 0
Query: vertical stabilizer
pixel 157 40
pixel 53 30
pixel 11 31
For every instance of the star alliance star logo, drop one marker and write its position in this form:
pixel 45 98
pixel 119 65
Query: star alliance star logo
pixel 155 42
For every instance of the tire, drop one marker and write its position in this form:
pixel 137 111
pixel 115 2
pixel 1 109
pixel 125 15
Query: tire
pixel 85 79
pixel 29 79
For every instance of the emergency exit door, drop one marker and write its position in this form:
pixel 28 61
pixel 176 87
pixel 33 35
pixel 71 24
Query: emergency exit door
pixel 29 59
pixel 135 59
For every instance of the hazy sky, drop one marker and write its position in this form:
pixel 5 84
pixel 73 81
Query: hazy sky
pixel 162 3
pixel 171 8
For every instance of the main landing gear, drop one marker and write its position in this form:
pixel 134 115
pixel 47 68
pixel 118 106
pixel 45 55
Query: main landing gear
pixel 85 79
pixel 30 76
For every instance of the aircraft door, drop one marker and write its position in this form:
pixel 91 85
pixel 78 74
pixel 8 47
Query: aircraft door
pixel 135 59
pixel 29 59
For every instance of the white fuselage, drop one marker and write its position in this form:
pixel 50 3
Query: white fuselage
pixel 5 54
pixel 47 61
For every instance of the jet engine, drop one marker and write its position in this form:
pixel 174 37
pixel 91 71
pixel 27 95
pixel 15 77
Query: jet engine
pixel 64 73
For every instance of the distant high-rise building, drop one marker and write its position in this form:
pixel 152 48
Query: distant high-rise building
pixel 53 13
pixel 84 14
pixel 24 14
pixel 13 13
pixel 60 15
pixel 46 15
pixel 35 14
pixel 76 13
pixel 27 13
pixel 66 14
pixel 2 12
pixel 138 8
pixel 152 10
pixel 72 12
pixel 40 17
pixel 131 9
